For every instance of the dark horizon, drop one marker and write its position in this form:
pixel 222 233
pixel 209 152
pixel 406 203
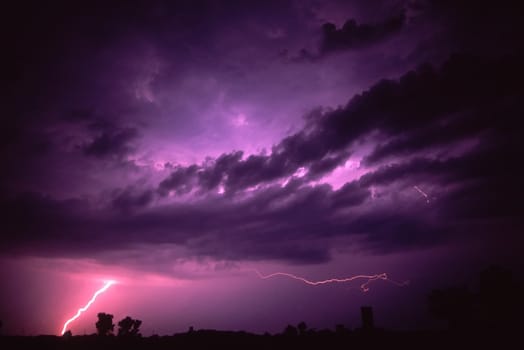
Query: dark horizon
pixel 247 165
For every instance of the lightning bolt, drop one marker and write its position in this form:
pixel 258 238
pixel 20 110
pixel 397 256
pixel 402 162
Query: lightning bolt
pixel 364 286
pixel 422 193
pixel 82 309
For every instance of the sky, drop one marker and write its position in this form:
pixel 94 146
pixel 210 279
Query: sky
pixel 177 147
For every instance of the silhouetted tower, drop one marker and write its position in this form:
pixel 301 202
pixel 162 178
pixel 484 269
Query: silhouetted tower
pixel 367 317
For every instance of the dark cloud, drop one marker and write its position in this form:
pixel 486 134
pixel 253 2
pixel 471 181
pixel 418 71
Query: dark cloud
pixel 35 220
pixel 413 170
pixel 132 198
pixel 403 229
pixel 488 30
pixel 112 142
pixel 297 222
pixel 425 108
pixel 181 181
pixel 351 194
pixel 294 223
pixel 327 164
pixel 418 116
pixel 108 136
pixel 215 170
pixel 351 36
pixel 354 36
pixel 277 223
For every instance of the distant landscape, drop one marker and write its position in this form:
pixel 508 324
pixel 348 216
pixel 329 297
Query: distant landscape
pixel 490 315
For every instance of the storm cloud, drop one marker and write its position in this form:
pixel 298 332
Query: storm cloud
pixel 259 217
pixel 353 35
pixel 466 99
pixel 173 145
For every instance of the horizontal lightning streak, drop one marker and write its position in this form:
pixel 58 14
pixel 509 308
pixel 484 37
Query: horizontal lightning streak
pixel 82 309
pixel 364 286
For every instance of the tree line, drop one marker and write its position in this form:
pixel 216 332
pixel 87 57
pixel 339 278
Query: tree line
pixel 127 327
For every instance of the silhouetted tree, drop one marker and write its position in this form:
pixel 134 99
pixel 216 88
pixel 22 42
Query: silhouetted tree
pixel 290 331
pixel 454 305
pixel 104 325
pixel 500 299
pixel 302 328
pixel 341 329
pixel 129 327
pixel 67 334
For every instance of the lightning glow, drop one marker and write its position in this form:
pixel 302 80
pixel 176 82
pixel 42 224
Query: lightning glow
pixel 422 193
pixel 82 309
pixel 364 286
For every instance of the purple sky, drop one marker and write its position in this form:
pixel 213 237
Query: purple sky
pixel 172 146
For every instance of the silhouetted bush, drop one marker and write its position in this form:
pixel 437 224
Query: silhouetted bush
pixel 128 327
pixel 104 325
pixel 302 328
pixel 290 331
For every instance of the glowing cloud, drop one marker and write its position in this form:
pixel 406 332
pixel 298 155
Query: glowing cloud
pixel 82 309
pixel 364 286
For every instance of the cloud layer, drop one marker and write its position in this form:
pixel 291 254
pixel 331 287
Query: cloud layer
pixel 450 130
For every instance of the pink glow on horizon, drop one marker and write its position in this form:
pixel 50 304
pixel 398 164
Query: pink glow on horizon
pixel 364 286
pixel 89 303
